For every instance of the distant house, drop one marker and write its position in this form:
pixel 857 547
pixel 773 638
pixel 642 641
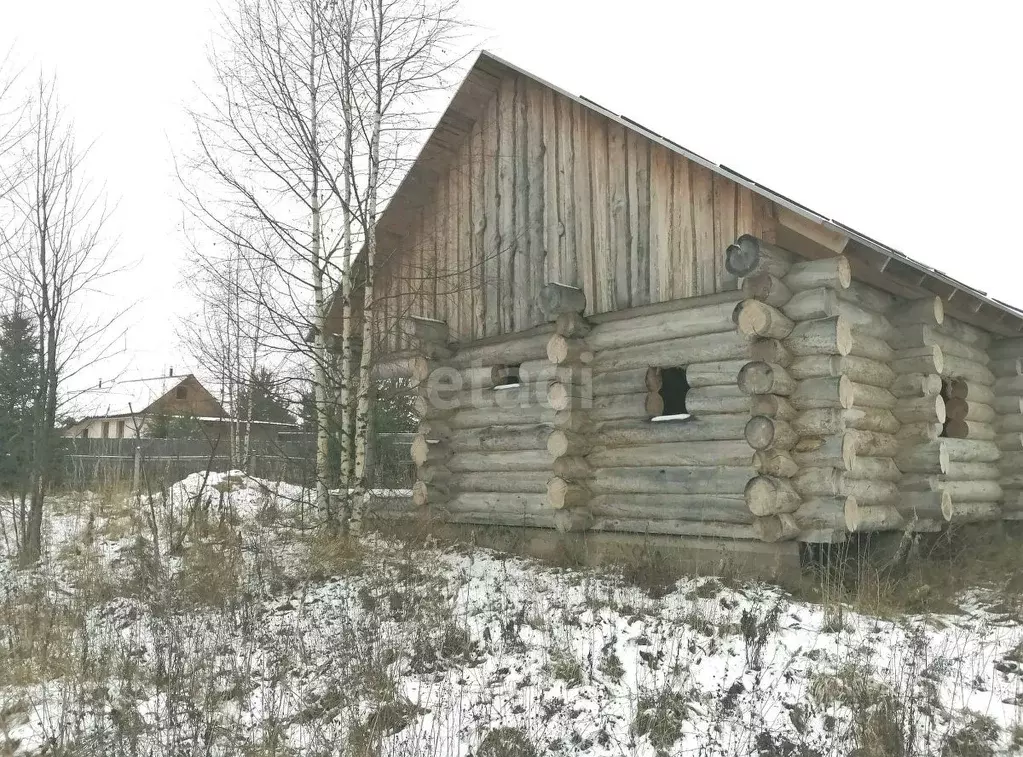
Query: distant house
pixel 129 409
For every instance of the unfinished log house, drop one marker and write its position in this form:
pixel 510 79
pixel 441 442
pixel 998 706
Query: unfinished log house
pixel 567 277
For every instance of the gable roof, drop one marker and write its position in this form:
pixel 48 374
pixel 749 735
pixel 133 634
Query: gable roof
pixel 873 261
pixel 128 397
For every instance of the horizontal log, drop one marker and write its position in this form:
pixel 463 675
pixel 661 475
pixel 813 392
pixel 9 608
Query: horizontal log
pixel 837 451
pixel 563 396
pixel 562 443
pixel 770 351
pixel 872 419
pixel 959 491
pixel 969 430
pixel 773 406
pixel 960 389
pixel 774 462
pixel 827 336
pixel 834 273
pixel 821 513
pixel 511 350
pixel 766 288
pixel 718 373
pixel 860 518
pixel 874 469
pixel 425 451
pixel 865 321
pixel 1006 367
pixel 820 422
pixel 429 494
pixel 750 256
pixel 563 494
pixel 858 369
pixel 918 433
pixel 1012 385
pixel 924 505
pixel 967 333
pixel 771 495
pixel 691 507
pixel 433 473
pixel 823 393
pixel 928 310
pixel 494 502
pixel 1011 461
pixel 869 492
pixel 966 369
pixel 545 519
pixel 874 444
pixel 563 350
pixel 916 385
pixel 726 452
pixel 521 481
pixel 1012 442
pixel 972 472
pixel 920 335
pixel 930 409
pixel 555 299
pixel 928 457
pixel 708 427
pixel 628 382
pixel 758 319
pixel 621 406
pixel 765 378
pixel 867 297
pixel 828 482
pixel 664 480
pixel 519 460
pixel 970 451
pixel 676 527
pixel 871 348
pixel 762 432
pixel 717 399
pixel 394 367
pixel 674 352
pixel 1011 405
pixel 865 395
pixel 1006 347
pixel 971 512
pixel 714 318
pixel 919 360
pixel 973 411
pixel 776 528
pixel 500 416
pixel 435 429
pixel 811 304
pixel 1010 424
pixel 500 438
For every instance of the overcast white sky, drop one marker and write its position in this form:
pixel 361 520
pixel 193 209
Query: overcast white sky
pixel 898 119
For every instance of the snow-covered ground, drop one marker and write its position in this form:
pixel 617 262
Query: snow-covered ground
pixel 248 632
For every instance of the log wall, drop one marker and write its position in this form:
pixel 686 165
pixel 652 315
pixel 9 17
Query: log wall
pixel 818 406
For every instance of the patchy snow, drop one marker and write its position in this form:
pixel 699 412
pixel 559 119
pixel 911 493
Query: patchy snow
pixel 430 651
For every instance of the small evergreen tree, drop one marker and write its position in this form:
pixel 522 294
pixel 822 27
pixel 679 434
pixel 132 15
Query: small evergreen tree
pixel 269 402
pixel 19 376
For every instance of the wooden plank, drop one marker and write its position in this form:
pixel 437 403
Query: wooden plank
pixel 641 226
pixel 568 253
pixel 583 205
pixel 657 258
pixel 435 268
pixel 702 185
pixel 724 230
pixel 683 235
pixel 602 257
pixel 553 237
pixel 764 219
pixel 492 247
pixel 477 247
pixel 536 204
pixel 523 267
pixel 622 184
pixel 745 223
pixel 506 171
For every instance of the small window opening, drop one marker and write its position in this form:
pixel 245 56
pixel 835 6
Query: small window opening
pixel 181 393
pixel 106 429
pixel 673 391
pixel 120 429
pixel 506 377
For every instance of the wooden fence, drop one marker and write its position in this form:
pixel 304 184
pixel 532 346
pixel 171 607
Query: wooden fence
pixel 94 463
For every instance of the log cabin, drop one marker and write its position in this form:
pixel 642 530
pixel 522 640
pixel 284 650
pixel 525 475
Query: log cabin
pixel 611 335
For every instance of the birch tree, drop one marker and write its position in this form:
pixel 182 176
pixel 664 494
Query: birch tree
pixel 60 255
pixel 264 136
pixel 408 55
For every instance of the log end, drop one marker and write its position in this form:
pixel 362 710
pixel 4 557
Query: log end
pixel 742 256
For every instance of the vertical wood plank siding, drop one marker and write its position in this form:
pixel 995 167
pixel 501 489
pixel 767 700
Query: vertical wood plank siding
pixel 546 189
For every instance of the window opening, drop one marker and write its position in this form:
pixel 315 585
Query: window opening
pixel 673 391
pixel 120 429
pixel 106 429
pixel 507 377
